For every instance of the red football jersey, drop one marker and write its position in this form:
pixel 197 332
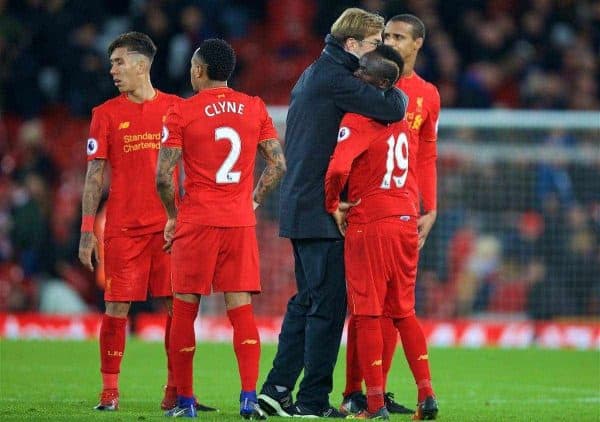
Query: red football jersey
pixel 378 162
pixel 219 131
pixel 128 135
pixel 422 115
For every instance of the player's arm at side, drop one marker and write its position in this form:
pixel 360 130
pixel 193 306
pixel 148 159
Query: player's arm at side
pixel 168 157
pixel 355 96
pixel 270 149
pixel 97 153
pixel 92 193
pixel 272 153
pixel 427 171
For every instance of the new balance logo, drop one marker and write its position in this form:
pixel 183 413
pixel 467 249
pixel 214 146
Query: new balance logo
pixel 188 349
pixel 249 341
pixel 423 357
pixel 123 125
pixel 377 363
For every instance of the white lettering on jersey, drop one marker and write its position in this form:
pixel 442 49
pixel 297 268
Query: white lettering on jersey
pixel 215 109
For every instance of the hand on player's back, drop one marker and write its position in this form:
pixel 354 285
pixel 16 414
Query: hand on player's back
pixel 339 215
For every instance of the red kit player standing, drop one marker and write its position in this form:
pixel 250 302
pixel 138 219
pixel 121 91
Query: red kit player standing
pixel 212 233
pixel 381 253
pixel 126 132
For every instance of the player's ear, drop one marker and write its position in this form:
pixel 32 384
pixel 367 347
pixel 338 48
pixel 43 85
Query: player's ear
pixel 142 66
pixel 419 43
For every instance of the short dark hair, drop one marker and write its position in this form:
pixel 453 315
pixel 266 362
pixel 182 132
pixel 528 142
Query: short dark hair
pixel 219 57
pixel 418 27
pixel 389 53
pixel 134 41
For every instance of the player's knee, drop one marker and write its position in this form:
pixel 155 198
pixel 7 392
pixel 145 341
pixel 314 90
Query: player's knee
pixel 237 299
pixel 117 309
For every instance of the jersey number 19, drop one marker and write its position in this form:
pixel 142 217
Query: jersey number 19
pixel 397 156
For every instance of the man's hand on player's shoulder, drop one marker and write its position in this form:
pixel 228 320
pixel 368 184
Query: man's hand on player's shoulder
pixel 424 225
pixel 88 245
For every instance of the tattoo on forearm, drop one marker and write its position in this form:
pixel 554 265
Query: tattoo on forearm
pixel 167 159
pixel 273 154
pixel 92 190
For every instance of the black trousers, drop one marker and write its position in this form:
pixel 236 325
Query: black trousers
pixel 312 327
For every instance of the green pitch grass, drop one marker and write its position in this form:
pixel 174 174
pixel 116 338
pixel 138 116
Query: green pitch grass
pixel 56 380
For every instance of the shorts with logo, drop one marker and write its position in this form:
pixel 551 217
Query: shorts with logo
pixel 135 266
pixel 381 260
pixel 215 259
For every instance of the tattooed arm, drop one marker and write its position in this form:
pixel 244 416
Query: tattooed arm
pixel 165 185
pixel 273 154
pixel 92 193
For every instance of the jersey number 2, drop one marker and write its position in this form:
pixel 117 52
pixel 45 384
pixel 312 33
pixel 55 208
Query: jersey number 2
pixel 224 174
pixel 397 156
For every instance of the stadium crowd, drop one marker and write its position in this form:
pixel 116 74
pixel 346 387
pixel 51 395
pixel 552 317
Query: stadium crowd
pixel 510 237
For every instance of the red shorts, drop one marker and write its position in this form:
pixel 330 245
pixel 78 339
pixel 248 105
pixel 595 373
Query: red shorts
pixel 134 266
pixel 215 259
pixel 381 267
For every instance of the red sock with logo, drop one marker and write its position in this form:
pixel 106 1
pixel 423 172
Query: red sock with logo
pixel 182 346
pixel 170 377
pixel 390 339
pixel 368 335
pixel 415 350
pixel 354 375
pixel 246 344
pixel 112 348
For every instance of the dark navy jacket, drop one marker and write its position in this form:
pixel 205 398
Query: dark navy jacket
pixel 324 93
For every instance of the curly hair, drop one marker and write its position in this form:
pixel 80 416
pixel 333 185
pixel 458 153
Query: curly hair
pixel 219 56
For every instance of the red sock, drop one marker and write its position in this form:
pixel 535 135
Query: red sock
pixel 246 344
pixel 390 339
pixel 415 350
pixel 354 375
pixel 112 347
pixel 182 345
pixel 368 335
pixel 170 377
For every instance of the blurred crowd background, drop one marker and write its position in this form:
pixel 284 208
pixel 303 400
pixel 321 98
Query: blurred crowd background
pixel 516 235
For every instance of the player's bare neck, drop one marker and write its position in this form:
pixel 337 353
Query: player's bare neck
pixel 409 67
pixel 144 92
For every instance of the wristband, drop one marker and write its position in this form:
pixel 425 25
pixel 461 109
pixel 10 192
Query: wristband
pixel 87 223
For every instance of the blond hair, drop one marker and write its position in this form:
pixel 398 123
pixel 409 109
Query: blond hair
pixel 356 23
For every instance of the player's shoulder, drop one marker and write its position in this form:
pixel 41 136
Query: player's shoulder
pixel 109 105
pixel 247 98
pixel 427 86
pixel 170 98
pixel 356 120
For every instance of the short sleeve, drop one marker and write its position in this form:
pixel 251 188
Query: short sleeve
pixel 267 128
pixel 430 126
pixel 351 133
pixel 97 143
pixel 172 131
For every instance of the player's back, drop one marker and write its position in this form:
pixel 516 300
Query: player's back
pixel 383 177
pixel 220 129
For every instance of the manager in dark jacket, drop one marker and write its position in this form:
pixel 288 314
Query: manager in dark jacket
pixel 312 327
